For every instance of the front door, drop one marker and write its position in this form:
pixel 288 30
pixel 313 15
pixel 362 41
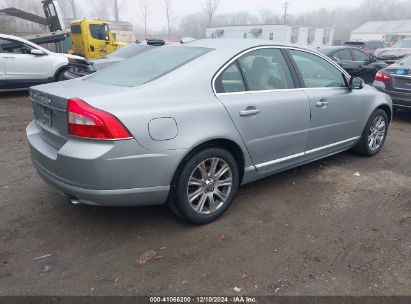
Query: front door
pixel 21 66
pixel 273 118
pixel 335 109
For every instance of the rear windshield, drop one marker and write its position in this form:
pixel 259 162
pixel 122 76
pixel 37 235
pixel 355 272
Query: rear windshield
pixel 130 51
pixel 354 43
pixel 147 66
pixel 402 44
pixel 406 60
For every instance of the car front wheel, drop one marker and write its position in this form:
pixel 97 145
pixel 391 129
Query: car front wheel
pixel 374 134
pixel 205 186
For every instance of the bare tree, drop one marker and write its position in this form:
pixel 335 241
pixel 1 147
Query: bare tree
pixel 168 9
pixel 116 14
pixel 210 8
pixel 73 9
pixel 144 12
pixel 102 9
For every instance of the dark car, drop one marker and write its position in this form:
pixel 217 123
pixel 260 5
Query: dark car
pixel 355 61
pixel 395 80
pixel 367 46
pixel 398 51
pixel 81 67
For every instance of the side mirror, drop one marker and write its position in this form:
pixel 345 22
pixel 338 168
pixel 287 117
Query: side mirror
pixel 36 52
pixel 356 83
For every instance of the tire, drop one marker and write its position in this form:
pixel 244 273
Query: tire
pixel 60 76
pixel 203 189
pixel 367 146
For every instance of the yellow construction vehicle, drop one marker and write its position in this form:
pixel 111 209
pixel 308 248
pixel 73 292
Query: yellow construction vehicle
pixel 93 38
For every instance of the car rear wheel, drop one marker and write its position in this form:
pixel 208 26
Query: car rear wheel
pixel 205 186
pixel 374 134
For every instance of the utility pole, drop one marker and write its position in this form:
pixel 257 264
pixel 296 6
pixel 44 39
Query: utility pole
pixel 116 17
pixel 285 7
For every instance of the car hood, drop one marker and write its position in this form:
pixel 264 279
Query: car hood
pixel 392 53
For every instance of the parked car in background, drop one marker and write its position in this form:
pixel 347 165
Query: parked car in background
pixel 82 67
pixel 24 64
pixel 395 80
pixel 355 61
pixel 368 47
pixel 399 50
pixel 190 123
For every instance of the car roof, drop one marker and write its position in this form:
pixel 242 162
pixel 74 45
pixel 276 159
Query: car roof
pixel 238 43
pixel 329 49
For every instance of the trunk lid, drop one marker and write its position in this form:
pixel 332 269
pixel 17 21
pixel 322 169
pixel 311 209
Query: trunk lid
pixel 401 76
pixel 49 104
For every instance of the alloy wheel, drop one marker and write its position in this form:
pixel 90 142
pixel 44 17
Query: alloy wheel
pixel 209 185
pixel 376 133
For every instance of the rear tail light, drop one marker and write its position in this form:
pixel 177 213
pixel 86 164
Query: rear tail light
pixel 88 122
pixel 382 76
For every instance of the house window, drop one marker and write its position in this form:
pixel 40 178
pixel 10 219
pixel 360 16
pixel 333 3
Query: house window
pixel 271 36
pixel 295 32
pixel 311 35
pixel 327 36
pixel 245 36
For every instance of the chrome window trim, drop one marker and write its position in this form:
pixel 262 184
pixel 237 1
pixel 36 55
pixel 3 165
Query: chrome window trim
pixel 280 160
pixel 228 63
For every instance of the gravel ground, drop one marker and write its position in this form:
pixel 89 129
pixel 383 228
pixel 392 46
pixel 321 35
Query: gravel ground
pixel 315 230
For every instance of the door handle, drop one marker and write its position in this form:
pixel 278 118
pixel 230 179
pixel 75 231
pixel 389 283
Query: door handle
pixel 9 57
pixel 322 103
pixel 250 111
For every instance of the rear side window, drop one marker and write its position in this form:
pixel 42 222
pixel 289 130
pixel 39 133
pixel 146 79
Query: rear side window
pixel 359 55
pixel 266 69
pixel 343 55
pixel 316 71
pixel 230 80
pixel 147 66
pixel 76 29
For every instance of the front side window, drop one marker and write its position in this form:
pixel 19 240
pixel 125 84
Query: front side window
pixel 316 71
pixel 230 80
pixel 16 47
pixel 359 56
pixel 147 66
pixel 266 69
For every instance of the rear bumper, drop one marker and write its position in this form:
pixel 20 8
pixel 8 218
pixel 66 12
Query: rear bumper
pixel 119 173
pixel 399 99
pixel 118 197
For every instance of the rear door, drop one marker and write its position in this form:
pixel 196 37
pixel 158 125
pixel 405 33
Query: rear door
pixel 258 91
pixel 335 109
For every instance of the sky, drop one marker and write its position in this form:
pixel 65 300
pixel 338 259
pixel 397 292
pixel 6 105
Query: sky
pixel 183 7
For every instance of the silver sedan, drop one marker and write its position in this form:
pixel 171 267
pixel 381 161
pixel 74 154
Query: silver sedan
pixel 188 124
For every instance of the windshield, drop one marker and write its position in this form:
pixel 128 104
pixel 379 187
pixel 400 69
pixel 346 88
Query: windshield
pixel 402 44
pixel 129 51
pixel 99 31
pixel 147 66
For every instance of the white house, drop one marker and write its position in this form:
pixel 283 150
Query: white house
pixel 301 35
pixel 389 31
